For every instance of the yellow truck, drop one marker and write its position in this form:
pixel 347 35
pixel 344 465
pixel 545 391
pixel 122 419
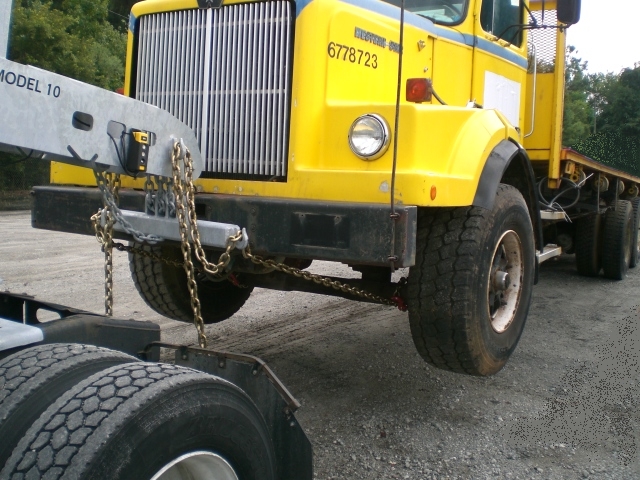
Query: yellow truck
pixel 379 134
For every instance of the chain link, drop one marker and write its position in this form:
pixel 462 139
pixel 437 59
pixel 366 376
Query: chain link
pixel 104 234
pixel 176 154
pixel 315 278
pixel 149 197
pixel 110 200
pixel 187 190
pixel 121 247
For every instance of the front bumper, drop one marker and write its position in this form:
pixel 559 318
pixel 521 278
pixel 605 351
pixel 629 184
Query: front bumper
pixel 354 233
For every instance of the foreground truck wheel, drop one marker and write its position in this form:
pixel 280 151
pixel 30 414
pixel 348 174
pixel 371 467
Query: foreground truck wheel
pixel 164 288
pixel 617 241
pixel 470 289
pixel 147 421
pixel 34 378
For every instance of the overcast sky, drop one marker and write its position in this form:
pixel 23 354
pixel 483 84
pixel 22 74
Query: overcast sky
pixel 608 34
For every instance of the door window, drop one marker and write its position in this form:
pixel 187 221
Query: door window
pixel 503 18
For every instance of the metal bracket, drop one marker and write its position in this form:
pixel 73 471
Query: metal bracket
pixel 549 251
pixel 212 234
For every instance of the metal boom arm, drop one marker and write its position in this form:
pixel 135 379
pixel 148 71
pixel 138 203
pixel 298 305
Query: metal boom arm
pixel 76 123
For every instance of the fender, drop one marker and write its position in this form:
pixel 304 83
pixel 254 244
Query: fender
pixel 509 163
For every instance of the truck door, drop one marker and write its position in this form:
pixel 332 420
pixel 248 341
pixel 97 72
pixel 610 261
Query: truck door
pixel 500 58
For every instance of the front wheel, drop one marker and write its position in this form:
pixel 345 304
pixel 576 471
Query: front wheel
pixel 164 288
pixel 470 290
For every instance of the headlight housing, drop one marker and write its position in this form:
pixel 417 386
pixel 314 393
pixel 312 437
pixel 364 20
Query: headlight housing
pixel 369 136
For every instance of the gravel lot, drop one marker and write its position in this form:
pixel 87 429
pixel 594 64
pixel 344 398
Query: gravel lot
pixel 564 407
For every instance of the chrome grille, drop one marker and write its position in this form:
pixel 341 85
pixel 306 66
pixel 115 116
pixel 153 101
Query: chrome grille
pixel 225 73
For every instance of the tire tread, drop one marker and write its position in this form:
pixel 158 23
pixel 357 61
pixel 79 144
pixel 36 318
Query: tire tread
pixel 440 288
pixel 613 244
pixel 33 378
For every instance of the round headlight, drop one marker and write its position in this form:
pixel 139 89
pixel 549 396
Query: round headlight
pixel 369 137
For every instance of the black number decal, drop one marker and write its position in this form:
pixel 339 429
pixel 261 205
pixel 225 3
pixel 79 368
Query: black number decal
pixel 55 90
pixel 331 49
pixel 334 50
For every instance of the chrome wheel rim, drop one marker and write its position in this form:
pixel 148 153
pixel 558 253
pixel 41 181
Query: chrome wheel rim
pixel 505 281
pixel 200 465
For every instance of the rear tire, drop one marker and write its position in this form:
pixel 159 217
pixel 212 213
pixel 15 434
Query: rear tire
pixel 133 420
pixel 164 288
pixel 458 285
pixel 635 247
pixel 588 245
pixel 616 241
pixel 34 378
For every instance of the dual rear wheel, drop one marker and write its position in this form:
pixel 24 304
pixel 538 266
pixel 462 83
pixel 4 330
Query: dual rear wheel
pixel 76 411
pixel 609 242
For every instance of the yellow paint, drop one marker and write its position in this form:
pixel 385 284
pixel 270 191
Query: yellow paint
pixel 440 148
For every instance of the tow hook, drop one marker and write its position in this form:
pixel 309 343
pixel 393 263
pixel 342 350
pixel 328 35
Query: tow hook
pixel 400 303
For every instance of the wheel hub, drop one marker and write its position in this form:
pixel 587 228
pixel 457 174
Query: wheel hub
pixel 501 281
pixel 201 465
pixel 505 281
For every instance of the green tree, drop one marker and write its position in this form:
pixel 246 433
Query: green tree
pixel 600 85
pixel 620 110
pixel 73 38
pixel 69 37
pixel 578 113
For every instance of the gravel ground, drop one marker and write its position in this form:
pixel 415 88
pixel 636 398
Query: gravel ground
pixel 564 407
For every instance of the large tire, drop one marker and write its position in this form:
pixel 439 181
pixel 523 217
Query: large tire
pixel 457 284
pixel 164 288
pixel 34 378
pixel 635 241
pixel 616 241
pixel 130 421
pixel 588 245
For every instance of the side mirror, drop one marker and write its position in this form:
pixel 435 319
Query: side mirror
pixel 569 11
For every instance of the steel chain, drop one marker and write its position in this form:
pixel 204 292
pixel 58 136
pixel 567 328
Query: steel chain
pixel 187 190
pixel 149 197
pixel 318 279
pixel 104 234
pixel 172 200
pixel 186 245
pixel 121 247
pixel 225 257
pixel 111 202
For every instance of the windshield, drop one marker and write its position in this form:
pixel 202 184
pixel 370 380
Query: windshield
pixel 447 12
